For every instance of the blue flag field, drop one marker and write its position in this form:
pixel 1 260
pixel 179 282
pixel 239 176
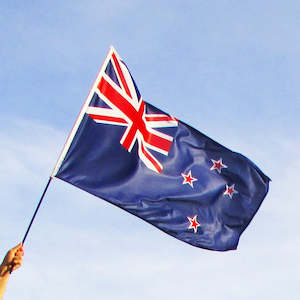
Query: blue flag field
pixel 141 159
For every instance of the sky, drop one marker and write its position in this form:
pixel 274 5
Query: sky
pixel 229 68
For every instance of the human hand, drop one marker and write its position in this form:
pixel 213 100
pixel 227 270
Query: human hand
pixel 12 260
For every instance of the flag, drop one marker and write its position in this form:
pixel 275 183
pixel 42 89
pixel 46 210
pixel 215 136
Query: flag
pixel 139 158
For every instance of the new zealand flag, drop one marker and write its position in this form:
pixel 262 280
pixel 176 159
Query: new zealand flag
pixel 158 168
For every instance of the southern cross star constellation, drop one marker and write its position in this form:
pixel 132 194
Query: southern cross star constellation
pixel 188 178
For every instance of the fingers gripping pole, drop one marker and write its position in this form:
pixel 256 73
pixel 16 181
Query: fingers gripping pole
pixel 36 210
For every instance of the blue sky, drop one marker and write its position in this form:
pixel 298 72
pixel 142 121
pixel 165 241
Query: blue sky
pixel 229 68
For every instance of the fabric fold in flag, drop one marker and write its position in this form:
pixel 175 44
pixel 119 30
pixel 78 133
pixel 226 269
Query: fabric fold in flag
pixel 139 158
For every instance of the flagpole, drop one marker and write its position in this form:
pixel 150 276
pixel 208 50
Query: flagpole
pixel 33 217
pixel 36 210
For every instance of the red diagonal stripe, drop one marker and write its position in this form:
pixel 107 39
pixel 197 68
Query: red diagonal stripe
pixel 136 117
pixel 118 100
pixel 150 158
pixel 119 70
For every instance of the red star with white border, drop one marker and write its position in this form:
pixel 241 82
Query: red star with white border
pixel 188 178
pixel 217 165
pixel 230 191
pixel 193 223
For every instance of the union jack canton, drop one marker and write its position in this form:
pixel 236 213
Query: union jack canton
pixel 135 156
pixel 127 108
